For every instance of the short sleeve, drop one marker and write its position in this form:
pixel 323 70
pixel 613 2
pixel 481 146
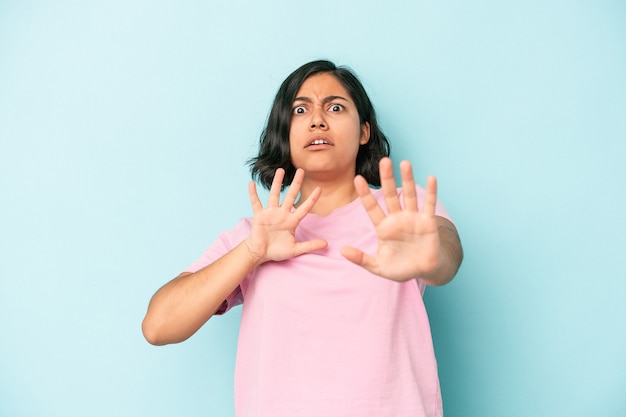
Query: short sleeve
pixel 225 242
pixel 235 298
pixel 440 210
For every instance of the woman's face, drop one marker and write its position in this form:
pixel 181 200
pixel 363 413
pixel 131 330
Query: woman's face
pixel 325 132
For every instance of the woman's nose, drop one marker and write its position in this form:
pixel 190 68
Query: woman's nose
pixel 317 120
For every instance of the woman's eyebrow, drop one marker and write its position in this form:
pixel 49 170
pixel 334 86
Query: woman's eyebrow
pixel 325 100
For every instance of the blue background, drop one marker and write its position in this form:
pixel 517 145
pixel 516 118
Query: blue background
pixel 124 128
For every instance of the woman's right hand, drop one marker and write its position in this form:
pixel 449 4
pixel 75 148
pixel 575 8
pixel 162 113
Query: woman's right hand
pixel 272 237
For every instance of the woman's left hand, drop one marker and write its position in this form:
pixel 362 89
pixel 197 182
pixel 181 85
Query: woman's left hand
pixel 408 238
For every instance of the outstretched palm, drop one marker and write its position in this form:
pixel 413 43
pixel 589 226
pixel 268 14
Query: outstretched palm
pixel 272 237
pixel 408 239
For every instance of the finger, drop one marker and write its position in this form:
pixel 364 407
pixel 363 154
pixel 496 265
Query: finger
pixel 408 186
pixel 294 189
pixel 254 198
pixel 306 206
pixel 358 257
pixel 388 184
pixel 375 213
pixel 277 183
pixel 430 201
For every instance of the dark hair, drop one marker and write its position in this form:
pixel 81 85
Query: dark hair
pixel 274 141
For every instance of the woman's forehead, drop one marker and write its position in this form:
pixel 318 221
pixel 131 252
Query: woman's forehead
pixel 321 86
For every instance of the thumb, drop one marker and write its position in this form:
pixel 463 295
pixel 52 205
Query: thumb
pixel 358 257
pixel 309 246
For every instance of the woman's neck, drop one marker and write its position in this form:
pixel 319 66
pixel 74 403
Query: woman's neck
pixel 334 196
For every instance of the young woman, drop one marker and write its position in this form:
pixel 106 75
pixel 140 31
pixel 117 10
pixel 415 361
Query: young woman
pixel 331 278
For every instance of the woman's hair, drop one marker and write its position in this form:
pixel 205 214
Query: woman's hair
pixel 274 142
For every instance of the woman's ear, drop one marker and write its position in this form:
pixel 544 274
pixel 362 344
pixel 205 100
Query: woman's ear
pixel 365 133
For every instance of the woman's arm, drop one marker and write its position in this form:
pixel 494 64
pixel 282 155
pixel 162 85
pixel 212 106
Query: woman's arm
pixel 183 305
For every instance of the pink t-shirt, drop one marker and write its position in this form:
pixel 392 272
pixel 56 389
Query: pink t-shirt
pixel 320 336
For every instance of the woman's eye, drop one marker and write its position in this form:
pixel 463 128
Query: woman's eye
pixel 299 110
pixel 336 107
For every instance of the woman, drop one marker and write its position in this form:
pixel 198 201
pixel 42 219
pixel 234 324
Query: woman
pixel 333 321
